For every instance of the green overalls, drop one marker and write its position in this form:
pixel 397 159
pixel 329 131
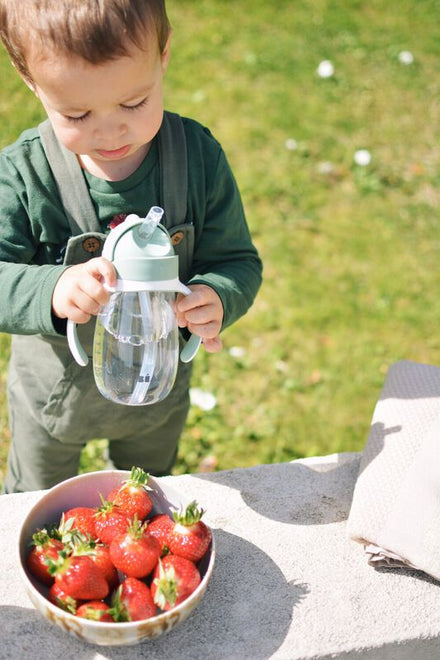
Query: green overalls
pixel 54 405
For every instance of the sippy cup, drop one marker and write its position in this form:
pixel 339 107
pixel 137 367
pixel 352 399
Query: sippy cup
pixel 136 338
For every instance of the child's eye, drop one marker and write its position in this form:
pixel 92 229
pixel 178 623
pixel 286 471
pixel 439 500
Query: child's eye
pixel 137 106
pixel 77 119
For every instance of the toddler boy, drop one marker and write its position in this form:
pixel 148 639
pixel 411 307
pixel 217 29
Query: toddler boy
pixel 97 67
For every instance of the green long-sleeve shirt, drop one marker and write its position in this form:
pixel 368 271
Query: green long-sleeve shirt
pixel 34 229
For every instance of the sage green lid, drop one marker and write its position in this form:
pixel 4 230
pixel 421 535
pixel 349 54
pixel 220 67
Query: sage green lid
pixel 137 258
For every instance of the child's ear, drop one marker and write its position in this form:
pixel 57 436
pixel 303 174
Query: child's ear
pixel 165 55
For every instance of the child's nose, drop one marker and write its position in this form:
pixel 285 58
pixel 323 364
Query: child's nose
pixel 111 129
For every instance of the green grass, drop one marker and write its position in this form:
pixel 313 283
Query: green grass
pixel 351 253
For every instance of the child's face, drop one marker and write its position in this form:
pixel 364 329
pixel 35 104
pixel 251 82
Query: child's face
pixel 107 114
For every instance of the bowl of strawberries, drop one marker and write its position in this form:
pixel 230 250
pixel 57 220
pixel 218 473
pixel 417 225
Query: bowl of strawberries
pixel 116 557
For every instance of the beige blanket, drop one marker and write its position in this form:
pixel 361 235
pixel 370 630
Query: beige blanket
pixel 395 511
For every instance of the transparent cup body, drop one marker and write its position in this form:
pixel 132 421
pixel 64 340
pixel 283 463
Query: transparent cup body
pixel 136 347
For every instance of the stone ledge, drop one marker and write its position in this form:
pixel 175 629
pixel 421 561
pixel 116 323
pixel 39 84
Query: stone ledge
pixel 288 583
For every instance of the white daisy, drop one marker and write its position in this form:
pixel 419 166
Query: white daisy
pixel 406 57
pixel 204 400
pixel 237 351
pixel 291 144
pixel 362 157
pixel 325 69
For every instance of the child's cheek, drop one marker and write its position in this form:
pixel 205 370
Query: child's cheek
pixel 72 137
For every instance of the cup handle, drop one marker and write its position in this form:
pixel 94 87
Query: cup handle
pixel 193 344
pixel 190 349
pixel 75 347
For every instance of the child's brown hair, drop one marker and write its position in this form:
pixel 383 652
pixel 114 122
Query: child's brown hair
pixel 94 30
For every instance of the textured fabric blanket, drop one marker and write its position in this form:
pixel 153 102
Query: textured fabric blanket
pixel 395 511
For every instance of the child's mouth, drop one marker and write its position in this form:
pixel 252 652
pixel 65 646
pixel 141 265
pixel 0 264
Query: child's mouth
pixel 114 153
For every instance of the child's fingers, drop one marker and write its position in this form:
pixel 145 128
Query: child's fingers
pixel 80 290
pixel 202 313
pixel 213 345
pixel 93 293
pixel 200 296
pixel 204 320
pixel 102 270
pixel 208 330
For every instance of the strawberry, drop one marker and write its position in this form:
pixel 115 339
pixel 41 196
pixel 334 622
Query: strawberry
pixel 101 557
pixel 99 554
pixel 83 520
pixel 160 526
pixel 95 610
pixel 135 552
pixel 110 521
pixel 174 579
pixel 132 601
pixel 131 496
pixel 190 537
pixel 59 598
pixel 79 577
pixel 44 547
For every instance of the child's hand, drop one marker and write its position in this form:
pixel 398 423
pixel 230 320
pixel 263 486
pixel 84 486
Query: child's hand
pixel 80 291
pixel 202 313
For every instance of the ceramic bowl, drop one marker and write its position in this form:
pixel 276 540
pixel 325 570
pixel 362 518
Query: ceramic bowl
pixel 84 490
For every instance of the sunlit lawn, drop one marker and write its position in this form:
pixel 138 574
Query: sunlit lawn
pixel 351 251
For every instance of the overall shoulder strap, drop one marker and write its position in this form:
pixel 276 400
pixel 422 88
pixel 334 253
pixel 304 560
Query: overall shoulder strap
pixel 174 190
pixel 173 169
pixel 70 181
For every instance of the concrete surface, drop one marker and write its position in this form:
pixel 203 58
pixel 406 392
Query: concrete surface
pixel 287 584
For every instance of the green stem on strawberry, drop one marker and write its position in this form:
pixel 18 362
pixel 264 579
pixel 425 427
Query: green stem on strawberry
pixel 167 587
pixel 138 477
pixel 189 516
